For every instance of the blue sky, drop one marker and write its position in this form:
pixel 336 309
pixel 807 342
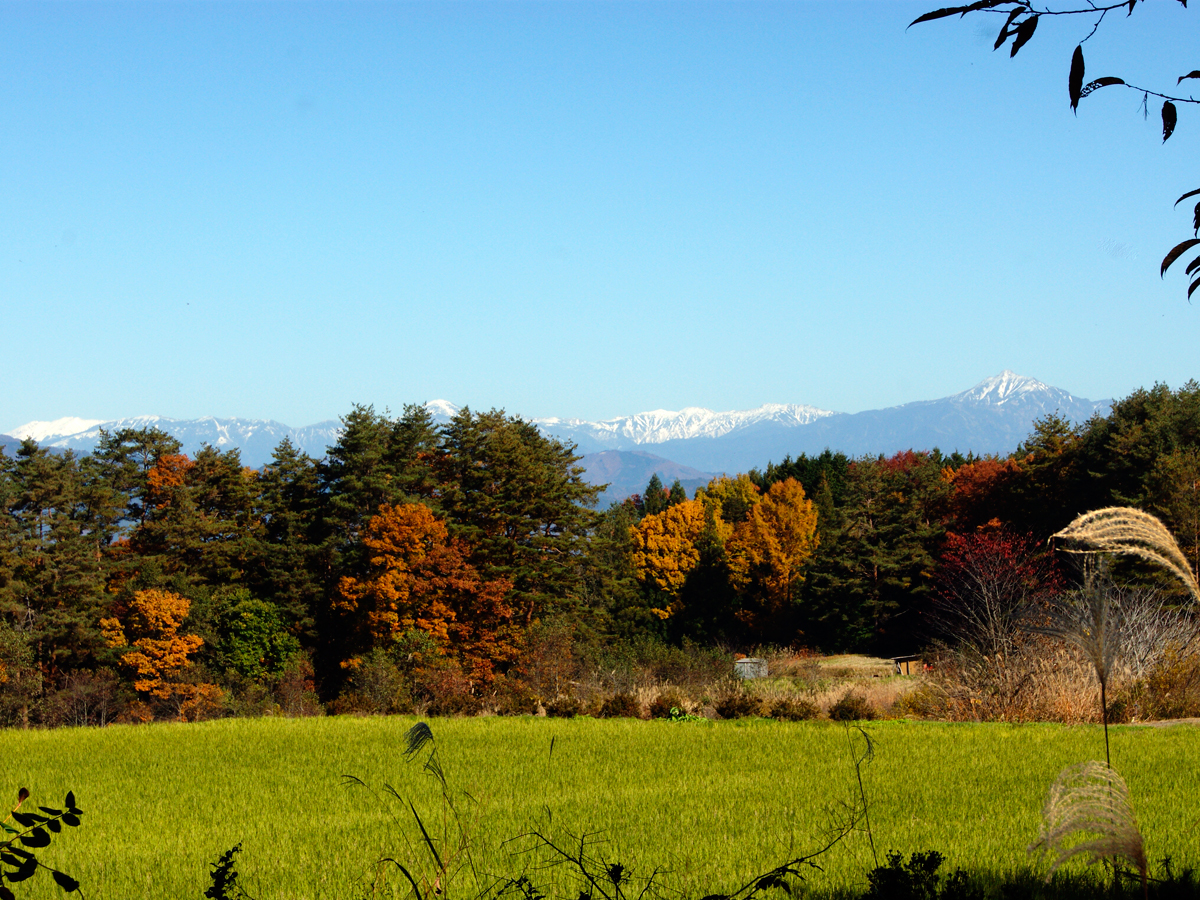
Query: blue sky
pixel 582 209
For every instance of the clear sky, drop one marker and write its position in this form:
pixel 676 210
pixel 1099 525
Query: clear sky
pixel 277 210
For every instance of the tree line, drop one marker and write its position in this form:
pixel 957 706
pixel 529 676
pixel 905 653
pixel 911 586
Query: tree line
pixel 137 582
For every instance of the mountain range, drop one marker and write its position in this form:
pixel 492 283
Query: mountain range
pixel 690 444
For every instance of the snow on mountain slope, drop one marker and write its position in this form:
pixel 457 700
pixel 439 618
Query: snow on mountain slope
pixel 992 417
pixel 39 431
pixel 660 425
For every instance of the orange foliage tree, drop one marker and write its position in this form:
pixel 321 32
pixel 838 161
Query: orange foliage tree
pixel 159 656
pixel 419 579
pixel 768 550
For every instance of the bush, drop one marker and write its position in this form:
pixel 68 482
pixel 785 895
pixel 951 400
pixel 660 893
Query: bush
pixel 512 698
pixel 664 703
pixel 1173 687
pixel 793 709
pixel 563 708
pixel 851 708
pixel 621 705
pixel 738 704
pixel 376 687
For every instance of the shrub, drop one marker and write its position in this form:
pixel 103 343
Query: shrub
pixel 852 707
pixel 512 698
pixel 563 708
pixel 793 709
pixel 1173 687
pixel 376 687
pixel 738 704
pixel 664 703
pixel 621 705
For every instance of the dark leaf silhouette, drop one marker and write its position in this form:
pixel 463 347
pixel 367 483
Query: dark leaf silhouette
pixel 956 11
pixel 1196 220
pixel 1099 83
pixel 25 870
pixel 65 881
pixel 71 802
pixel 22 795
pixel 1188 194
pixel 1005 34
pixel 938 14
pixel 38 838
pixel 71 820
pixel 1024 32
pixel 1177 251
pixel 1169 118
pixel 1075 81
pixel 1192 266
pixel 1195 73
pixel 1132 4
pixel 1195 284
pixel 6 894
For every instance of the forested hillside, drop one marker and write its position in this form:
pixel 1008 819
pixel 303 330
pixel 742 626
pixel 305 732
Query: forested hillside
pixel 441 564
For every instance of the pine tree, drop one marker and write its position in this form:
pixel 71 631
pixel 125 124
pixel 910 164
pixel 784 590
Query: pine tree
pixel 519 501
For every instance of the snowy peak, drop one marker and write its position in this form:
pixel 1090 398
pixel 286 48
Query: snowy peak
pixel 441 410
pixel 39 431
pixel 660 425
pixel 1006 386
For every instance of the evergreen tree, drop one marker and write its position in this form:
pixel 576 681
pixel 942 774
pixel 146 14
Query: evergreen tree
pixel 654 500
pixel 291 567
pixel 54 593
pixel 519 501
pixel 677 493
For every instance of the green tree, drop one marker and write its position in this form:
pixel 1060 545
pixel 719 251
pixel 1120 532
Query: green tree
pixel 291 563
pixel 654 499
pixel 519 501
pixel 870 579
pixel 54 591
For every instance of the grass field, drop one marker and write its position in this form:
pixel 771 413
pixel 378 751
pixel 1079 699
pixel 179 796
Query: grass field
pixel 715 803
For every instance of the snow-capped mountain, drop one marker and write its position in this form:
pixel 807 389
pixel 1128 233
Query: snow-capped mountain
pixel 992 417
pixel 40 431
pixel 1009 387
pixel 661 425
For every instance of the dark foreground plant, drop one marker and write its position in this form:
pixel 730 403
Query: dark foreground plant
pixel 19 863
pixel 224 877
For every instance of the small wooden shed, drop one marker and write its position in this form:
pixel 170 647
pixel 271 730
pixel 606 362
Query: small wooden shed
pixel 750 667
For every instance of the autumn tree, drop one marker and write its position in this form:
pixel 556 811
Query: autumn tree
pixel 767 555
pixel 666 550
pixel 733 498
pixel 986 583
pixel 155 653
pixel 419 579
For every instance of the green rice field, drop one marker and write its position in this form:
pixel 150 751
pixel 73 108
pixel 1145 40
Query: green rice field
pixel 713 803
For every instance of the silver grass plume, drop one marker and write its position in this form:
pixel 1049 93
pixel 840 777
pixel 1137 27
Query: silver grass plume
pixel 1090 801
pixel 1130 532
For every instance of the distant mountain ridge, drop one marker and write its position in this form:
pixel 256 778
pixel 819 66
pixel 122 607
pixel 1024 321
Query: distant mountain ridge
pixel 992 417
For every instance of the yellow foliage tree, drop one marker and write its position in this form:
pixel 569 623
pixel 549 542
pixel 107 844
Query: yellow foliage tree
pixel 732 498
pixel 768 550
pixel 665 547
